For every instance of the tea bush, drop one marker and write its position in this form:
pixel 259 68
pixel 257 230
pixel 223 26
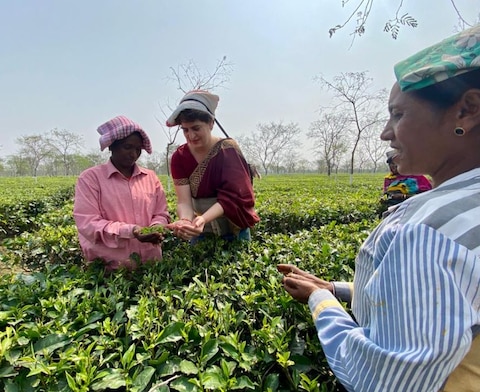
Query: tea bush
pixel 22 199
pixel 208 317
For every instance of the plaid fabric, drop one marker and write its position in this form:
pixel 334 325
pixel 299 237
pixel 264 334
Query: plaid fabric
pixel 119 128
pixel 451 57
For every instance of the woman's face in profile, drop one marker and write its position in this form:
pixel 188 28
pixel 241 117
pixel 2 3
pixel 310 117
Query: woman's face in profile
pixel 420 134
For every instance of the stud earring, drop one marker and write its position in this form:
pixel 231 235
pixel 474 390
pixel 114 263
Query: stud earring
pixel 459 131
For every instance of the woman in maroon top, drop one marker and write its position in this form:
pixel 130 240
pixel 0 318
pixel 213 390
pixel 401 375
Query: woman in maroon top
pixel 211 177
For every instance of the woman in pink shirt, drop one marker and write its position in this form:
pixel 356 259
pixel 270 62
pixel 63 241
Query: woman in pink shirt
pixel 115 200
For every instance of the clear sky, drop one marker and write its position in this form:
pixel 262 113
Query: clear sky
pixel 74 64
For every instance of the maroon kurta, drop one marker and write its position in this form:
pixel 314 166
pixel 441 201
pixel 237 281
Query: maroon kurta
pixel 224 174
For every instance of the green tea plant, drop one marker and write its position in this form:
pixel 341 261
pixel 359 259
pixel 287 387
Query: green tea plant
pixel 207 317
pixel 23 199
pixel 153 229
pixel 54 240
pixel 306 202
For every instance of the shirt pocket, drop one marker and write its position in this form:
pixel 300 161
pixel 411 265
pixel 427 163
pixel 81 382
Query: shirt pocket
pixel 150 204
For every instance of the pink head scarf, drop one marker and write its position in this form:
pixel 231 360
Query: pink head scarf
pixel 119 128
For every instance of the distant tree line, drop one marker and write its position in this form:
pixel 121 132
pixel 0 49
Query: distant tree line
pixel 59 153
pixel 274 148
pixel 344 138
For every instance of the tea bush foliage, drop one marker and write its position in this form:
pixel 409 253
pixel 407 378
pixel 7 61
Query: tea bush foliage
pixel 22 199
pixel 213 316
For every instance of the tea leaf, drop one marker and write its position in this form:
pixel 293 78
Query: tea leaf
pixel 183 384
pixel 213 379
pixel 113 380
pixel 172 333
pixel 209 349
pixel 52 342
pixel 243 382
pixel 128 356
pixel 188 367
pixel 272 382
pixel 152 229
pixel 7 371
pixel 109 331
pixel 143 379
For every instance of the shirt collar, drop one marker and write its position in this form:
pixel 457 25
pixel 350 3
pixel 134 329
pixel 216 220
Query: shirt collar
pixel 462 177
pixel 111 170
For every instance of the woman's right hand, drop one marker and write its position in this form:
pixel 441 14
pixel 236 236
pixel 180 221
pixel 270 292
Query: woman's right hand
pixel 185 229
pixel 199 223
pixel 301 284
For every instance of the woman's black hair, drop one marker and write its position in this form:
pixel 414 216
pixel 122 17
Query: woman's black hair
pixel 445 94
pixel 190 115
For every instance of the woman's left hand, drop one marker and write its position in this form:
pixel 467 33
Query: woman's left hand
pixel 153 237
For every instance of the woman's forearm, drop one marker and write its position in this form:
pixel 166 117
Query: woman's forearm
pixel 185 211
pixel 214 212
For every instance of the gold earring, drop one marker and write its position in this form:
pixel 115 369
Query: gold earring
pixel 459 131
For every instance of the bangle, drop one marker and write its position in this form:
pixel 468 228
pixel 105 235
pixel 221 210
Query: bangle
pixel 333 290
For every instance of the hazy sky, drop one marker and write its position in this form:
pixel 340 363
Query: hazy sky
pixel 75 64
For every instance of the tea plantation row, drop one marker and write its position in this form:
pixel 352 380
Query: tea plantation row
pixel 208 317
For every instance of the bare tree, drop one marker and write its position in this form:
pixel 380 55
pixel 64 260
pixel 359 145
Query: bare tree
pixel 304 165
pixel 80 162
pixel 361 12
pixel 157 160
pixel 363 107
pixel 189 77
pixel 330 135
pixel 269 143
pixel 171 133
pixel 153 161
pixel 97 157
pixel 65 144
pixel 290 161
pixel 373 147
pixel 34 149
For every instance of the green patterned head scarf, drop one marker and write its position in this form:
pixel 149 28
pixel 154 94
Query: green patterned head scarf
pixel 450 57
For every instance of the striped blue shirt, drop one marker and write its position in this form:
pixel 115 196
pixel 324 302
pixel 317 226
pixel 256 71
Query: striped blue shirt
pixel 416 295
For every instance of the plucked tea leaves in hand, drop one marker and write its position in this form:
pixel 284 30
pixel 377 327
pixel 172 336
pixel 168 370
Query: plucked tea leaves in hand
pixel 152 229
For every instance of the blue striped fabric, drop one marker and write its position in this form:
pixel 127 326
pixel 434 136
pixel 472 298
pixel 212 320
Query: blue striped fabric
pixel 417 295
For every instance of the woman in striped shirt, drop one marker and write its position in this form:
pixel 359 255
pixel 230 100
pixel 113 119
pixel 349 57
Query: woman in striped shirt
pixel 417 278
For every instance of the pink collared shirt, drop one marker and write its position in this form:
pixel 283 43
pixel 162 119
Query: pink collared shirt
pixel 108 206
